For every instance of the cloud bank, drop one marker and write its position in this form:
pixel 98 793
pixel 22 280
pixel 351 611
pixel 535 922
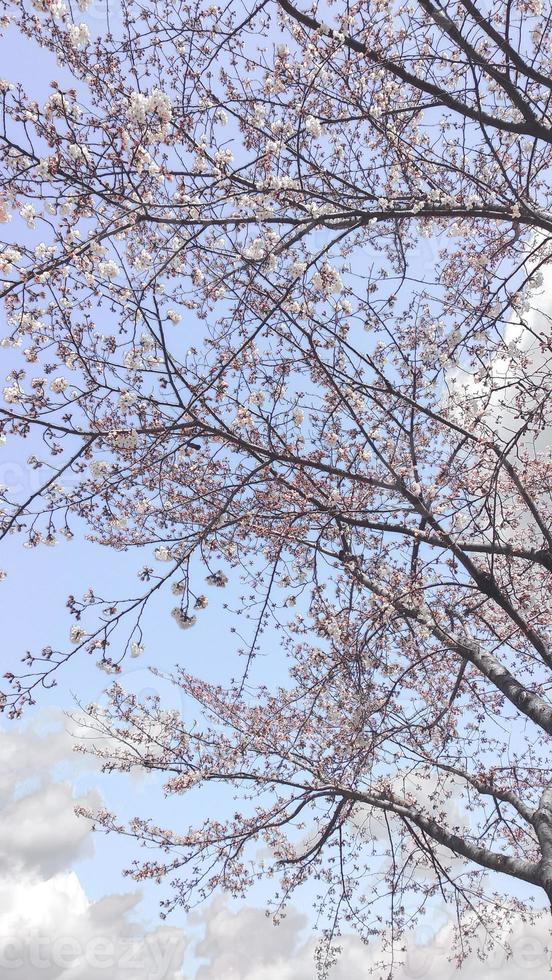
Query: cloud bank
pixel 49 928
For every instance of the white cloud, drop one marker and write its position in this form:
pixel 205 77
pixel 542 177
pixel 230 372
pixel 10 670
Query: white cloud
pixel 30 752
pixel 245 945
pixel 39 831
pixel 49 928
pixel 532 364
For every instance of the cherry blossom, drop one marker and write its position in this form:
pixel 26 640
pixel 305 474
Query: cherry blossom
pixel 348 442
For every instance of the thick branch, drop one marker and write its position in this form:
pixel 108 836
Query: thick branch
pixel 478 115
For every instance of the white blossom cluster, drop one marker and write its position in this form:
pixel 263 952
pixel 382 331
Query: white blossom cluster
pixel 108 269
pixel 163 553
pixel 54 7
pixel 8 258
pixel 124 439
pixel 313 126
pixel 157 104
pixel 182 619
pixel 327 280
pixel 99 467
pixel 28 214
pixel 78 35
pixel 13 394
